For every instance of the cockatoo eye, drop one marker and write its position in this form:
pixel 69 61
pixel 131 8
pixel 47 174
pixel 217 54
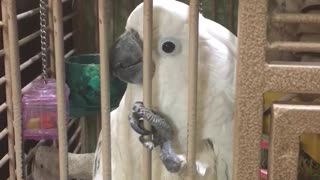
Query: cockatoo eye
pixel 169 46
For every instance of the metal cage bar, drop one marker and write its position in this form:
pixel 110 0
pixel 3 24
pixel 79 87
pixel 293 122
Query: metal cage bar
pixel 77 148
pixel 104 11
pixel 32 152
pixel 24 40
pixel 4 106
pixel 35 35
pixel 10 130
pixel 61 96
pixel 229 14
pixel 295 46
pixel 296 18
pixel 192 86
pixel 3 133
pixel 2 81
pixel 214 9
pixel 16 84
pixel 29 13
pixel 4 160
pixel 67 36
pixel 74 136
pixel 72 121
pixel 51 39
pixel 147 81
pixel 70 53
pixel 30 61
pixel 68 17
pixel 24 15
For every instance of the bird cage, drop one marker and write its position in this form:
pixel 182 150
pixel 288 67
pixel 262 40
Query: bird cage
pixel 278 58
pixel 276 104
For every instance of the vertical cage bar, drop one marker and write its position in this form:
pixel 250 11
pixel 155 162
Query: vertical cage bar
pixel 147 81
pixel 229 14
pixel 97 42
pixel 131 5
pixel 51 39
pixel 112 25
pixel 192 85
pixel 105 10
pixel 214 9
pixel 16 84
pixel 60 78
pixel 12 175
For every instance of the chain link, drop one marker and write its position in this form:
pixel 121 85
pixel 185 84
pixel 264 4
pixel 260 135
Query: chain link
pixel 43 36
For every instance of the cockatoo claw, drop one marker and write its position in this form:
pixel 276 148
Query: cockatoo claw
pixel 137 125
pixel 148 143
pixel 161 135
pixel 173 162
pixel 161 130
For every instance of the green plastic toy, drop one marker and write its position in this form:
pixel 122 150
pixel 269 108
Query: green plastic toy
pixel 83 78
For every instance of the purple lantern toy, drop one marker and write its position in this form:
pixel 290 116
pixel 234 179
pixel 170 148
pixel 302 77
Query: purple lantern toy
pixel 39 110
pixel 39 103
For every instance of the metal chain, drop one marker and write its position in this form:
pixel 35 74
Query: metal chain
pixel 43 36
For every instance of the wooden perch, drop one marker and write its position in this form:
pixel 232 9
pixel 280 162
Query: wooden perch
pixel 45 165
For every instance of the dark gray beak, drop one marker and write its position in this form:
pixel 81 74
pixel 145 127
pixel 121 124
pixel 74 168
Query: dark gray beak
pixel 126 57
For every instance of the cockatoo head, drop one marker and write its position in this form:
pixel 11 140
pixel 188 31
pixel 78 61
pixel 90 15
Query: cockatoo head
pixel 170 42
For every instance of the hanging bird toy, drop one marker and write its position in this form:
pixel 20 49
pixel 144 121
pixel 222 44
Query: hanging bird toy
pixel 39 103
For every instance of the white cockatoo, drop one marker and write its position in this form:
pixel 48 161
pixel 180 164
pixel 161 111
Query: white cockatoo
pixel 168 116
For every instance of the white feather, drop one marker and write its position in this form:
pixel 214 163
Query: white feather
pixel 217 60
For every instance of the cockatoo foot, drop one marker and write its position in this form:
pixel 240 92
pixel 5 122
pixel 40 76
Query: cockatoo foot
pixel 161 131
pixel 136 124
pixel 173 162
pixel 148 143
pixel 161 134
